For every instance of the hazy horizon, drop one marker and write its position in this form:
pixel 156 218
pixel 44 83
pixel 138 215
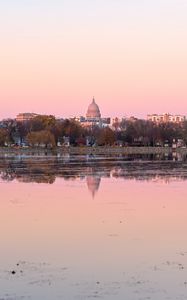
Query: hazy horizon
pixel 120 115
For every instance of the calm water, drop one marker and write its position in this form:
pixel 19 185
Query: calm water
pixel 87 227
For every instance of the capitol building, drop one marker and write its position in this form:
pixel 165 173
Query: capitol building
pixel 93 112
pixel 93 117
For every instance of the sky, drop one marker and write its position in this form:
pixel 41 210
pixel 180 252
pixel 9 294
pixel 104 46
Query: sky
pixel 55 55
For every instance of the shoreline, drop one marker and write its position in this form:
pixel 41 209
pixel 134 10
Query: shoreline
pixel 92 150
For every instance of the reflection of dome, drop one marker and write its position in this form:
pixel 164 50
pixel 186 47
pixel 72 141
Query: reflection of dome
pixel 93 110
pixel 93 183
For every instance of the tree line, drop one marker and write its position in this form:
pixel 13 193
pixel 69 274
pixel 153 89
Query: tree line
pixel 51 132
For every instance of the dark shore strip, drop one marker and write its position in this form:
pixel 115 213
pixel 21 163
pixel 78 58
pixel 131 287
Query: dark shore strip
pixel 92 150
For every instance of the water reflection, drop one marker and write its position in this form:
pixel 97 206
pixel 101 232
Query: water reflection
pixel 93 181
pixel 129 243
pixel 92 169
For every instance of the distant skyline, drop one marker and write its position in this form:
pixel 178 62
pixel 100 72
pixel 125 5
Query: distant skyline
pixel 129 54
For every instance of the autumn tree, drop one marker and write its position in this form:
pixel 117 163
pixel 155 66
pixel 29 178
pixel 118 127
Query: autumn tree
pixel 4 137
pixel 39 138
pixel 23 128
pixel 73 130
pixel 43 122
pixel 106 137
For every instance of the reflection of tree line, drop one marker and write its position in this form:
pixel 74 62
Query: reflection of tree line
pixel 47 170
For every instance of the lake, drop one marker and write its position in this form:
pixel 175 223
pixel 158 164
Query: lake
pixel 88 227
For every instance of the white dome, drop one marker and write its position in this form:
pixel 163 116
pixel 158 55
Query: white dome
pixel 93 110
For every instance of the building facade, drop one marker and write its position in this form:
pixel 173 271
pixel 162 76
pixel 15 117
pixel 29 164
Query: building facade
pixel 23 117
pixel 166 118
pixel 93 117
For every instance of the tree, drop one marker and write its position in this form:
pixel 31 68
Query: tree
pixel 106 137
pixel 73 130
pixel 23 128
pixel 43 122
pixel 4 137
pixel 40 138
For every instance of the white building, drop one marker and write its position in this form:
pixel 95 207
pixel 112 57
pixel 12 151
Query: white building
pixel 93 117
pixel 166 118
pixel 23 117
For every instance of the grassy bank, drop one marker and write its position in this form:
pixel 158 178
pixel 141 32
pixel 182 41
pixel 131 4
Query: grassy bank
pixel 91 150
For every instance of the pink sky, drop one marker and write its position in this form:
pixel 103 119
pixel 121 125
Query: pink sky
pixel 131 56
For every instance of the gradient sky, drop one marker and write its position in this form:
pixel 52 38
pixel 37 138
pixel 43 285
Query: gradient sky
pixel 56 55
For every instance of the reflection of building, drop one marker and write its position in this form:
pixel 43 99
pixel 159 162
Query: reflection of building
pixel 166 118
pixel 93 183
pixel 25 117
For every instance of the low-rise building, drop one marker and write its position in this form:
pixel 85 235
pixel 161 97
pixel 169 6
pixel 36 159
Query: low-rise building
pixel 166 118
pixel 23 117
